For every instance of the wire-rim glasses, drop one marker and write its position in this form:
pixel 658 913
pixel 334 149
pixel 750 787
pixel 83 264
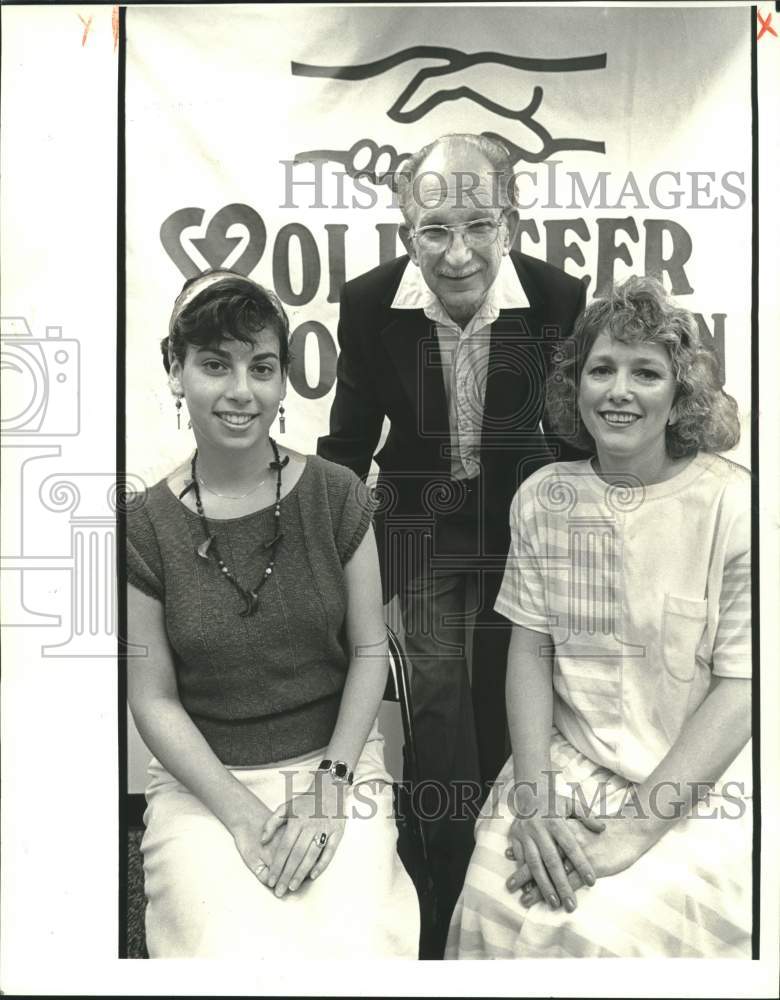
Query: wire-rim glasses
pixel 476 233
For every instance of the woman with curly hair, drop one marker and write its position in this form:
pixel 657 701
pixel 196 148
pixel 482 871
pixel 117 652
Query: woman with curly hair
pixel 621 825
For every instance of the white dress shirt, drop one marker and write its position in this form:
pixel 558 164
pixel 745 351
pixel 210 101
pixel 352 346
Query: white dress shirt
pixel 464 354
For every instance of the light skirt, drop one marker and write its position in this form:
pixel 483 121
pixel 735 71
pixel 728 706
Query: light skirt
pixel 689 896
pixel 204 902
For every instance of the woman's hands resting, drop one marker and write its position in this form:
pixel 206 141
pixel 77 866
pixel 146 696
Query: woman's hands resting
pixel 247 830
pixel 279 847
pixel 610 846
pixel 542 835
pixel 294 830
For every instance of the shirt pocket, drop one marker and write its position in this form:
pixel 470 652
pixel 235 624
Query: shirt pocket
pixel 684 621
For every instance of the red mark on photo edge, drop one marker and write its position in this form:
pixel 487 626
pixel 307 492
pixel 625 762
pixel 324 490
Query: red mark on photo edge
pixel 766 25
pixel 87 26
pixel 115 24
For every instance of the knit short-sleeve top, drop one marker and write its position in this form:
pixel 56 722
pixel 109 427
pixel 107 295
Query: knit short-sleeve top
pixel 265 687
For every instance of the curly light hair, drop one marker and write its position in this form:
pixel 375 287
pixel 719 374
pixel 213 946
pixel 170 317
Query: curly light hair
pixel 640 310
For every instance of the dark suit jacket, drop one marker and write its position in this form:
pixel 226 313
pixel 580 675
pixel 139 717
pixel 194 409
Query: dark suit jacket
pixel 389 365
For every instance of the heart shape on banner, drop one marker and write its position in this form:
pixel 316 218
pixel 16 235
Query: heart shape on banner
pixel 214 245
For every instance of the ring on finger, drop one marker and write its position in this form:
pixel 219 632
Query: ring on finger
pixel 320 839
pixel 259 869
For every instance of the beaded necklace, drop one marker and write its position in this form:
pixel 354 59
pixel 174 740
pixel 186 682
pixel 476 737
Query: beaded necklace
pixel 251 597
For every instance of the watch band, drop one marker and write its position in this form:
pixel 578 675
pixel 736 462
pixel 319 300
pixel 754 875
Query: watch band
pixel 338 770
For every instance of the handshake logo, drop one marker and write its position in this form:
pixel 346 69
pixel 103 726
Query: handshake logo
pixel 40 380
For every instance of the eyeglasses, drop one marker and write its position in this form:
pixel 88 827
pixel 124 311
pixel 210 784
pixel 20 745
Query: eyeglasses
pixel 477 233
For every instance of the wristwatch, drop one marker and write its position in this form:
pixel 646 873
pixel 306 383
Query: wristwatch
pixel 338 770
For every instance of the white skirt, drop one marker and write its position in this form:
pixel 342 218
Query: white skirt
pixel 689 896
pixel 204 902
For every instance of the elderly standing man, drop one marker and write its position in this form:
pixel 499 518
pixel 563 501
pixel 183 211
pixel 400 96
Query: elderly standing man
pixel 452 344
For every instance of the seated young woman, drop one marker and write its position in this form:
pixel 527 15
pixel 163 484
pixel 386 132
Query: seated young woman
pixel 621 825
pixel 253 583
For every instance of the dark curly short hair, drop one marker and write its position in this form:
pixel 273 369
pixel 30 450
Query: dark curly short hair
pixel 640 310
pixel 233 307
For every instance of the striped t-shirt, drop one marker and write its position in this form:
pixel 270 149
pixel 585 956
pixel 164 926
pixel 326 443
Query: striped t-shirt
pixel 645 592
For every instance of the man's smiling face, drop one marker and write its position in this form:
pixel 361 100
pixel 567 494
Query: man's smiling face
pixel 456 184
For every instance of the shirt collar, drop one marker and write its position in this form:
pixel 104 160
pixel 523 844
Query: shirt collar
pixel 506 292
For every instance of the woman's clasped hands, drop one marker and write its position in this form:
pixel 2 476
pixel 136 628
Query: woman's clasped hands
pixel 300 837
pixel 564 849
pixel 553 863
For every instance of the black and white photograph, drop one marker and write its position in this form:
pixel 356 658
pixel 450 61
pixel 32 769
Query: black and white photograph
pixel 390 499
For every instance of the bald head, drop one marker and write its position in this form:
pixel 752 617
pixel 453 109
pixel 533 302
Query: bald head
pixel 464 156
pixel 459 220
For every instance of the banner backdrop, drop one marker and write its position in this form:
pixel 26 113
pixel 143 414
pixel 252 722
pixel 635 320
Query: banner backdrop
pixel 260 138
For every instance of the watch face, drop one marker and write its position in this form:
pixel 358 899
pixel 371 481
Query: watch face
pixel 340 770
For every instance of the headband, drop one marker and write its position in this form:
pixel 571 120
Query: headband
pixel 186 296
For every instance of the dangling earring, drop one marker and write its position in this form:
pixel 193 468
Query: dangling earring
pixel 178 413
pixel 281 418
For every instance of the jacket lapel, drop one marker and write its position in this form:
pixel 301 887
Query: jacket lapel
pixel 514 394
pixel 411 343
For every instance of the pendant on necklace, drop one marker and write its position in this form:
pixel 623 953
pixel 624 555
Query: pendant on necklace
pixel 203 549
pixel 251 604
